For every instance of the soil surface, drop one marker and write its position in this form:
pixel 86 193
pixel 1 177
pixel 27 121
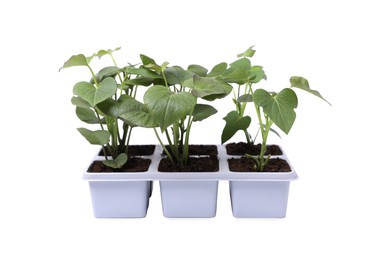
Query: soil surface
pixel 195 164
pixel 137 150
pixel 210 150
pixel 134 164
pixel 245 148
pixel 245 164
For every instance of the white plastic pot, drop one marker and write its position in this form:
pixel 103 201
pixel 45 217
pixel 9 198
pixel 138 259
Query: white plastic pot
pixel 189 199
pixel 259 199
pixel 120 199
pixel 113 196
pixel 265 197
pixel 190 194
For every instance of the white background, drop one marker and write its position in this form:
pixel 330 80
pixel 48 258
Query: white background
pixel 334 208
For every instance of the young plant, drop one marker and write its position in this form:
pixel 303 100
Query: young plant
pixel 174 106
pixel 105 100
pixel 243 74
pixel 279 109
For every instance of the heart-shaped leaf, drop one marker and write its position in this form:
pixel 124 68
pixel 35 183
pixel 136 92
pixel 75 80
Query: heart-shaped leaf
pixel 98 137
pixel 278 107
pixel 80 102
pixel 202 111
pixel 87 115
pixel 118 162
pixel 302 83
pixel 234 123
pixel 168 107
pixel 208 88
pixel 198 70
pixel 94 95
pixel 113 108
pixel 101 53
pixel 177 75
pixel 239 72
pixel 218 70
pixel 77 60
pixel 106 72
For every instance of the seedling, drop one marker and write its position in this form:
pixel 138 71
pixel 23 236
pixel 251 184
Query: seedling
pixel 106 100
pixel 174 105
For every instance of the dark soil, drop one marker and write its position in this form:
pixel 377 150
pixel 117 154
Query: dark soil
pixel 245 164
pixel 137 150
pixel 245 148
pixel 134 164
pixel 198 164
pixel 210 150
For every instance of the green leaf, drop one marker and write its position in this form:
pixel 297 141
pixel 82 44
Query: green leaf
pixel 118 162
pixel 77 60
pixel 168 107
pixel 278 107
pixel 101 53
pixel 98 137
pixel 208 88
pixel 106 72
pixel 239 72
pixel 218 70
pixel 94 95
pixel 202 111
pixel 113 108
pixel 234 123
pixel 139 81
pixel 138 115
pixel 245 98
pixel 131 111
pixel 275 132
pixel 146 60
pixel 257 74
pixel 87 115
pixel 248 53
pixel 198 70
pixel 151 64
pixel 302 83
pixel 177 75
pixel 80 102
pixel 142 72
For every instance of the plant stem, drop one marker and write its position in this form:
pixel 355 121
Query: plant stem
pixel 93 75
pixel 264 138
pixel 163 146
pixel 128 140
pixel 165 79
pixel 186 143
pixel 247 135
pixel 175 146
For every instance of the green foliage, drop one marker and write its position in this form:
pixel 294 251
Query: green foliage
pixel 98 137
pixel 95 94
pixel 118 162
pixel 108 100
pixel 203 111
pixel 171 103
pixel 168 107
pixel 270 107
pixel 234 123
pixel 279 107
